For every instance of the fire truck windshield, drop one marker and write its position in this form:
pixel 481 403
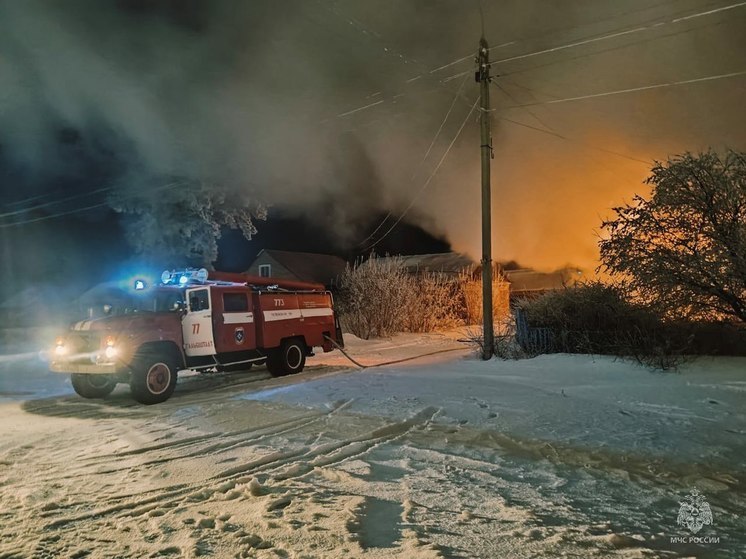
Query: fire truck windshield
pixel 156 300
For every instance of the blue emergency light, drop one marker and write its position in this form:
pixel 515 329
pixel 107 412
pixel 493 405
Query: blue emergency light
pixel 140 285
pixel 183 277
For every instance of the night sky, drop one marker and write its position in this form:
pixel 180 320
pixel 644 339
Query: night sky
pixel 325 111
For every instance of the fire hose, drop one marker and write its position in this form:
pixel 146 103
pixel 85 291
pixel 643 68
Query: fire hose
pixel 395 361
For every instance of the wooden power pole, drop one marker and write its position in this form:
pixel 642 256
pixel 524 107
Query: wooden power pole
pixel 483 77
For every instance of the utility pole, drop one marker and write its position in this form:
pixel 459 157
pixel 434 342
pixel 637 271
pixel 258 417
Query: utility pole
pixel 483 77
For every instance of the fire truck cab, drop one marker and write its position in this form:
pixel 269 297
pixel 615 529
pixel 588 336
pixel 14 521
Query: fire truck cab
pixel 201 321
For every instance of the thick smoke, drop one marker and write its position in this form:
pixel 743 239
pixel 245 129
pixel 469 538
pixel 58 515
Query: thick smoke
pixel 248 95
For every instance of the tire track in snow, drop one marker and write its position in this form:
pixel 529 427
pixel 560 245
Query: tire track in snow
pixel 355 448
pixel 269 430
pixel 254 435
pixel 326 454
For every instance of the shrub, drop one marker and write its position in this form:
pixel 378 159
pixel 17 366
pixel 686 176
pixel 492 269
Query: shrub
pixel 471 288
pixel 596 318
pixel 373 294
pixel 599 318
pixel 379 297
pixel 434 304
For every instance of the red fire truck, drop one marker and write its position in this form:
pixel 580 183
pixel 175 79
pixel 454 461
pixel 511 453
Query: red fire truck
pixel 196 320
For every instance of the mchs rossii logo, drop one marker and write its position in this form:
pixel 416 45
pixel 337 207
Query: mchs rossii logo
pixel 694 513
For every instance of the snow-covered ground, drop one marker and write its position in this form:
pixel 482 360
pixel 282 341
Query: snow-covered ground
pixel 444 456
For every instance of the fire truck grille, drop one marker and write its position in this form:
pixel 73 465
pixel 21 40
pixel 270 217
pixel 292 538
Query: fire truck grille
pixel 85 343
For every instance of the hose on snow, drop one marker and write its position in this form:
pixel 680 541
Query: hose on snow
pixel 395 361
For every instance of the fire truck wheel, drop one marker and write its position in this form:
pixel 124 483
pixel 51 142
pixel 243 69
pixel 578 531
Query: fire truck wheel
pixel 93 386
pixel 288 360
pixel 153 379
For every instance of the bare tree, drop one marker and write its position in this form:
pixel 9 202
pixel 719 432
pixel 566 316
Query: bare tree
pixel 181 222
pixel 684 248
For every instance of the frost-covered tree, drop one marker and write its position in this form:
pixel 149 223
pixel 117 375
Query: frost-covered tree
pixel 684 248
pixel 179 222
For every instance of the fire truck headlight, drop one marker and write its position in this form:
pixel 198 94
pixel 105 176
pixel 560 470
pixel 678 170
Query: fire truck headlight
pixel 59 347
pixel 111 350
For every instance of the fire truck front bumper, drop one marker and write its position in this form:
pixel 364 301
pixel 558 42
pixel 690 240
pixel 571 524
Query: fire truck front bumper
pixel 69 367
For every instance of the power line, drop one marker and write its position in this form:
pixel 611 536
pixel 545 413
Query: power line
pixel 611 49
pixel 632 89
pixel 353 111
pixel 716 10
pixel 84 209
pixel 439 68
pixel 424 158
pixel 553 31
pixel 604 37
pixel 53 216
pixel 552 132
pixel 465 58
pixel 443 122
pixel 25 200
pixel 562 137
pixel 534 92
pixel 619 33
pixel 429 179
pixel 53 202
pixel 653 24
pixel 513 99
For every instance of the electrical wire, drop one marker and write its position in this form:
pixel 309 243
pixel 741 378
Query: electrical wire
pixel 54 202
pixel 83 209
pixel 442 124
pixel 53 216
pixel 353 111
pixel 604 37
pixel 631 90
pixel 422 161
pixel 553 31
pixel 481 15
pixel 513 99
pixel 465 58
pixel 586 145
pixel 612 49
pixel 534 92
pixel 622 33
pixel 429 179
pixel 653 24
pixel 25 200
pixel 552 132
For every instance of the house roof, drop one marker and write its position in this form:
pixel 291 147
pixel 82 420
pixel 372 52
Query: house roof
pixel 309 266
pixel 445 262
pixel 531 280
